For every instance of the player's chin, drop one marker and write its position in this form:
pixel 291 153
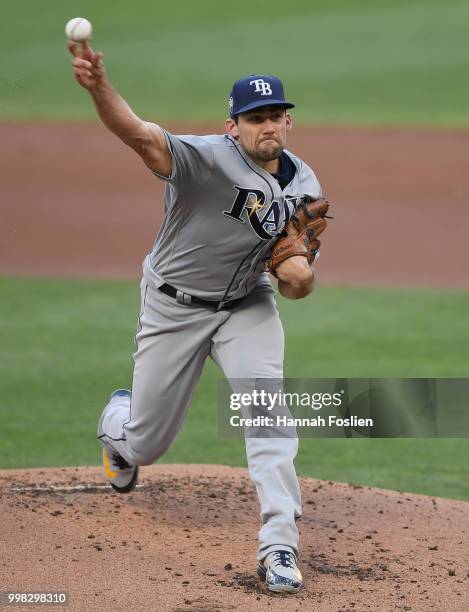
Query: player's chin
pixel 269 152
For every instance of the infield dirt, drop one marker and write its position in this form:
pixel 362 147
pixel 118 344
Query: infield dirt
pixel 186 540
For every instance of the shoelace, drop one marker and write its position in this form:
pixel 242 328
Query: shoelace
pixel 120 462
pixel 285 558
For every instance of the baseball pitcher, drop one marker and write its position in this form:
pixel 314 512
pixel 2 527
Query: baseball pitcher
pixel 236 206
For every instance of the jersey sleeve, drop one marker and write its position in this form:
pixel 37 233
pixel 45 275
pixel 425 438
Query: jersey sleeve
pixel 192 161
pixel 312 185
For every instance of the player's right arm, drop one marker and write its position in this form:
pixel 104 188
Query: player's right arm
pixel 146 138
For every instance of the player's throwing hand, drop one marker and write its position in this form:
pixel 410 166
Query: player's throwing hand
pixel 87 65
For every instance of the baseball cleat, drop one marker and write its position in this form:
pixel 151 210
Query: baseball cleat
pixel 280 572
pixel 121 393
pixel 115 394
pixel 122 476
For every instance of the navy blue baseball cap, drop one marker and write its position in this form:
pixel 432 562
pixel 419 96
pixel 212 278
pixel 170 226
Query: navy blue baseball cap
pixel 254 91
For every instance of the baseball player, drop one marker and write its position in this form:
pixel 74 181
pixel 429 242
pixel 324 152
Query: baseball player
pixel 205 290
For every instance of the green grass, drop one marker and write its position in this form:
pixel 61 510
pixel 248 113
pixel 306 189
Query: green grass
pixel 347 61
pixel 66 344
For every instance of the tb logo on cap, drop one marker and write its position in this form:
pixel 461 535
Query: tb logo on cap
pixel 262 87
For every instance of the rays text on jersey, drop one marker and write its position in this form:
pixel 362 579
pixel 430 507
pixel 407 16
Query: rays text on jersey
pixel 265 219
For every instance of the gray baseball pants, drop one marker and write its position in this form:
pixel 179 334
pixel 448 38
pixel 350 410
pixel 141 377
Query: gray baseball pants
pixel 173 341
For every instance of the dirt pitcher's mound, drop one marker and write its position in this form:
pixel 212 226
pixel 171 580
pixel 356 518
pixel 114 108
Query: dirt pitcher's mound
pixel 186 539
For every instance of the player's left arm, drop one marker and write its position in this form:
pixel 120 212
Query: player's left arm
pixel 297 248
pixel 295 278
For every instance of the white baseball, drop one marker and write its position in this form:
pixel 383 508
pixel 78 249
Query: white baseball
pixel 78 29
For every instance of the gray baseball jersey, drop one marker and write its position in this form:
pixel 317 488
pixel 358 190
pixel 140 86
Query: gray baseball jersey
pixel 223 214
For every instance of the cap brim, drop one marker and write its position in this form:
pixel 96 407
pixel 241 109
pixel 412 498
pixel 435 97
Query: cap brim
pixel 261 103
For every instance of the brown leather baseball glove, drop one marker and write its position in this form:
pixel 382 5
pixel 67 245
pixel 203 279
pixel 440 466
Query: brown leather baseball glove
pixel 300 234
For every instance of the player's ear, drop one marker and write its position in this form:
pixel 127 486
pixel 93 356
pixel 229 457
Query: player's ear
pixel 231 128
pixel 288 121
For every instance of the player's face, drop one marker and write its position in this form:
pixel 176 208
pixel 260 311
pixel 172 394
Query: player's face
pixel 262 132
